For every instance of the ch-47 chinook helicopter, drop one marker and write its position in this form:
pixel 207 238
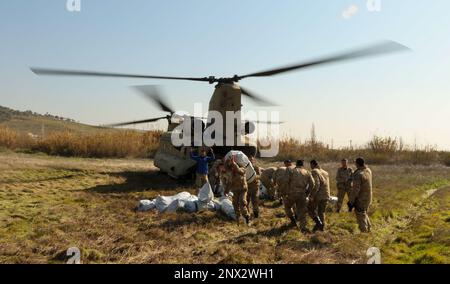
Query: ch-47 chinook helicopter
pixel 226 98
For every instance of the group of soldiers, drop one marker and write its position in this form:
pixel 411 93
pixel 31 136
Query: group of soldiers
pixel 305 192
pixel 302 192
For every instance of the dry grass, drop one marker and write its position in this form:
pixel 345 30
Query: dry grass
pixel 129 143
pixel 49 204
pixel 105 144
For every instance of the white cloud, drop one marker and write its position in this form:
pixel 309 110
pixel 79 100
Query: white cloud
pixel 350 12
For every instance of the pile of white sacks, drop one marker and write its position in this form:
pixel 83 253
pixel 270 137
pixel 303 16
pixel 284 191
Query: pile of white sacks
pixel 205 200
pixel 186 202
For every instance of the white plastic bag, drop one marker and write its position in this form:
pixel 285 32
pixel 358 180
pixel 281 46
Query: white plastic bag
pixel 145 205
pixel 205 193
pixel 243 161
pixel 263 194
pixel 166 203
pixel 332 200
pixel 226 206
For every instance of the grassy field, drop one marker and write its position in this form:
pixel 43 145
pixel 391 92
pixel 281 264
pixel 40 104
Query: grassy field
pixel 48 204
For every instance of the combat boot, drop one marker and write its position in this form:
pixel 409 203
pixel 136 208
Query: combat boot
pixel 305 230
pixel 256 214
pixel 319 225
pixel 247 220
pixel 293 222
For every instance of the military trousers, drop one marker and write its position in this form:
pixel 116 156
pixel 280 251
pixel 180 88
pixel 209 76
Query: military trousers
pixel 316 208
pixel 295 207
pixel 252 197
pixel 239 201
pixel 200 179
pixel 362 218
pixel 342 190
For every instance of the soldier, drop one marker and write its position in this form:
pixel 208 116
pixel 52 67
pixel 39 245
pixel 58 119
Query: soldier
pixel 253 190
pixel 319 196
pixel 288 163
pixel 281 181
pixel 236 182
pixel 267 181
pixel 343 182
pixel 214 176
pixel 202 166
pixel 301 181
pixel 361 194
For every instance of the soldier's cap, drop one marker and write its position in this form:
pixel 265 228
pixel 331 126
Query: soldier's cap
pixel 344 160
pixel 299 163
pixel 314 163
pixel 287 161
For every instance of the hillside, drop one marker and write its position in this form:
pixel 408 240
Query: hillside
pixel 37 124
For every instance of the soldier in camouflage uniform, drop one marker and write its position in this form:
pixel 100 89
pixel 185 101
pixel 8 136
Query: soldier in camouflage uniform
pixel 319 196
pixel 267 181
pixel 253 190
pixel 281 181
pixel 235 181
pixel 300 182
pixel 343 182
pixel 214 176
pixel 361 195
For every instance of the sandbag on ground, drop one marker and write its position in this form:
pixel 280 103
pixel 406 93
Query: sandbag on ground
pixel 226 206
pixel 169 203
pixel 145 205
pixel 186 202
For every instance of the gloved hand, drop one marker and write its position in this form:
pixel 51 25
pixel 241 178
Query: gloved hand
pixel 350 206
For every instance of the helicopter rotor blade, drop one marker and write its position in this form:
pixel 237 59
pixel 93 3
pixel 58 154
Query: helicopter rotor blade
pixel 64 72
pixel 373 50
pixel 258 99
pixel 136 122
pixel 152 93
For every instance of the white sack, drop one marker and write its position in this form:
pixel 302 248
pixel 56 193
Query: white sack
pixel 145 205
pixel 243 161
pixel 263 194
pixel 164 203
pixel 333 200
pixel 205 193
pixel 226 206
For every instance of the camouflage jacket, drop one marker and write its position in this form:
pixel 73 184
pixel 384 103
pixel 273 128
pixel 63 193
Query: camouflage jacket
pixel 267 174
pixel 281 180
pixel 321 189
pixel 234 179
pixel 257 173
pixel 361 193
pixel 300 181
pixel 344 175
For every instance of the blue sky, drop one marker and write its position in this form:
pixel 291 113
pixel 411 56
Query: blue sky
pixel 403 95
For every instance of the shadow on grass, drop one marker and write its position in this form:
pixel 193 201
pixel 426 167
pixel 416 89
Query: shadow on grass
pixel 191 219
pixel 141 181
